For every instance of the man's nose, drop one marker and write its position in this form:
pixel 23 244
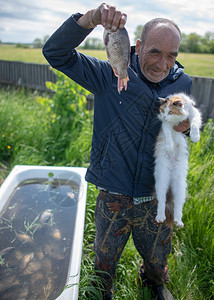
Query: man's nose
pixel 161 63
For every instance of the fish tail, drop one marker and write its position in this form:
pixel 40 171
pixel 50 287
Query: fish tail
pixel 122 83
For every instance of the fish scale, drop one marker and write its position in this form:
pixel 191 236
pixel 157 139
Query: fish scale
pixel 117 46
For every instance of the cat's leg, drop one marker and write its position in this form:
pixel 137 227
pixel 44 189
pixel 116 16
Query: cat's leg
pixel 178 183
pixel 195 124
pixel 162 180
pixel 167 134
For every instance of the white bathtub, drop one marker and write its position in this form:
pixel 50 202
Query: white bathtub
pixel 42 212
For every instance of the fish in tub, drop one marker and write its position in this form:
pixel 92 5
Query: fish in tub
pixel 42 212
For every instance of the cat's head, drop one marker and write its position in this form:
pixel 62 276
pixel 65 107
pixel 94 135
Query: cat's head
pixel 172 109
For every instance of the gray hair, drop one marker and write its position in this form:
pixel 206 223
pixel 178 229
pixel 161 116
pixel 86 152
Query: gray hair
pixel 149 25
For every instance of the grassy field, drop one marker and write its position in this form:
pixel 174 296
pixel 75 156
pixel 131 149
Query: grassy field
pixel 195 64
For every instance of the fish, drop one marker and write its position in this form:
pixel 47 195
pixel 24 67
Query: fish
pixel 117 45
pixel 6 250
pixel 46 216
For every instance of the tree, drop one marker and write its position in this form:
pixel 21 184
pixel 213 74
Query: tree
pixel 183 45
pixel 137 33
pixel 93 43
pixel 46 37
pixel 211 46
pixel 37 43
pixel 189 42
pixel 193 43
pixel 208 42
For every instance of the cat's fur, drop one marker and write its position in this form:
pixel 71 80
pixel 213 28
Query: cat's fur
pixel 171 153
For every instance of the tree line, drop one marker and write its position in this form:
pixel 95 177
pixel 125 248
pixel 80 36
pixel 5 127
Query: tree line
pixel 192 43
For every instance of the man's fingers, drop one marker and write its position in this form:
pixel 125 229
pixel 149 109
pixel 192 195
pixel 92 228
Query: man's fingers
pixel 104 8
pixel 111 18
pixel 183 126
pixel 123 20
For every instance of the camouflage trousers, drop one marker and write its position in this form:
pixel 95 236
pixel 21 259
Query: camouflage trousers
pixel 116 217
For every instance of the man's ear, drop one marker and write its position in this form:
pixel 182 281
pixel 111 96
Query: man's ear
pixel 137 47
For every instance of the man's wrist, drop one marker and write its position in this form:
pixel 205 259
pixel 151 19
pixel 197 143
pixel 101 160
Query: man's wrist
pixel 87 21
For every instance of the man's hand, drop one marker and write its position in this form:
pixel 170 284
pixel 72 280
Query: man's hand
pixel 183 126
pixel 107 16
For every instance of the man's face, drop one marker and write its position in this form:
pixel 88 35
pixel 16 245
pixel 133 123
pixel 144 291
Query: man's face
pixel 158 54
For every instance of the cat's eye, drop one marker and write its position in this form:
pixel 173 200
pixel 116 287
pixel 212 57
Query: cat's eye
pixel 170 113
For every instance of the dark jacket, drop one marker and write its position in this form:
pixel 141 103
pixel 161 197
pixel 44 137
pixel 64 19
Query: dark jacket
pixel 126 124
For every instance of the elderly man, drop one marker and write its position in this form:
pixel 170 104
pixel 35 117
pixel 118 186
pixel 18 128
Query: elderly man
pixel 124 135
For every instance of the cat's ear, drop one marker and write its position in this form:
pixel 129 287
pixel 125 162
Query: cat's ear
pixel 162 100
pixel 178 103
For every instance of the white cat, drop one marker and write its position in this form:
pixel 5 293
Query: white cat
pixel 171 153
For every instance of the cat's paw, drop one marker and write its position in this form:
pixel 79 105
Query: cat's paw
pixel 194 135
pixel 179 223
pixel 160 218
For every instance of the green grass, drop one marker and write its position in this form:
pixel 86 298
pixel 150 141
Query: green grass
pixel 11 53
pixel 29 135
pixel 195 64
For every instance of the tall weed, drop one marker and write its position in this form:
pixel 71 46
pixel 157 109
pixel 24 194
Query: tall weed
pixel 192 262
pixel 23 126
pixel 69 117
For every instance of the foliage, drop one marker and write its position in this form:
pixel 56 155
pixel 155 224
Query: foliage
pixel 137 33
pixel 25 46
pixel 68 117
pixel 93 43
pixel 39 43
pixel 23 125
pixel 195 43
pixel 192 43
pixel 42 130
pixel 192 258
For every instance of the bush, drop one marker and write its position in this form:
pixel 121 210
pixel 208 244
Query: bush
pixel 41 130
pixel 70 125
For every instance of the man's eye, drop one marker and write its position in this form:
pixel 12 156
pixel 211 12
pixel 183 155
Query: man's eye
pixel 154 54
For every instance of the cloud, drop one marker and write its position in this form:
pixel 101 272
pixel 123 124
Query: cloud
pixel 23 21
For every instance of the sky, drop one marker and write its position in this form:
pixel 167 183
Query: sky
pixel 22 21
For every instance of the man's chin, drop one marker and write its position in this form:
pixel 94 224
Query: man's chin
pixel 155 76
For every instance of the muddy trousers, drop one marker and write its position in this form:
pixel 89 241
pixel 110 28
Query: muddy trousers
pixel 116 217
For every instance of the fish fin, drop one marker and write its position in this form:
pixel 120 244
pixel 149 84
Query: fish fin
pixel 122 83
pixel 115 72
